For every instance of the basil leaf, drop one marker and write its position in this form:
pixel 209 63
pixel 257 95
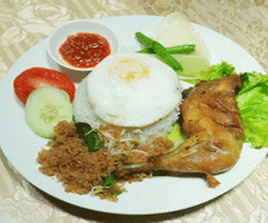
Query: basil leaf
pixel 91 138
pixel 109 182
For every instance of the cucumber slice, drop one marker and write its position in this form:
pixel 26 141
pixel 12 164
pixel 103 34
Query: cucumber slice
pixel 45 108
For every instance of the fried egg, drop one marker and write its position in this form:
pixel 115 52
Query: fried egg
pixel 133 90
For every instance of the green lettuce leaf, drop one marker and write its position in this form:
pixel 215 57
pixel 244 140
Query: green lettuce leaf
pixel 253 105
pixel 213 72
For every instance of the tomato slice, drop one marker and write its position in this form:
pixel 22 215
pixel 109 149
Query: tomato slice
pixel 37 77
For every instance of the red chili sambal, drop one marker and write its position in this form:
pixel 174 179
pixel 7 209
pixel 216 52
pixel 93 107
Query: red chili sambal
pixel 85 50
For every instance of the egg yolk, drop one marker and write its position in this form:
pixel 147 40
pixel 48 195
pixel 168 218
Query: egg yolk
pixel 130 70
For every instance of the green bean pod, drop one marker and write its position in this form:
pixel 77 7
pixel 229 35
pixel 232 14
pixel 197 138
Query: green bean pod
pixel 160 50
pixel 179 49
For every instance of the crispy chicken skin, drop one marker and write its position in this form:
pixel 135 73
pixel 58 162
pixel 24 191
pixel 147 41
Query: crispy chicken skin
pixel 212 122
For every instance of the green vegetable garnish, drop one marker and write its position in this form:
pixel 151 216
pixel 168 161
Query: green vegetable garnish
pixel 121 157
pixel 253 105
pixel 90 137
pixel 213 72
pixel 109 182
pixel 217 71
pixel 160 50
pixel 180 49
pixel 116 193
pixel 177 135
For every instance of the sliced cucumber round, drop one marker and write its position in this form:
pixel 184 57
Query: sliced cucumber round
pixel 45 108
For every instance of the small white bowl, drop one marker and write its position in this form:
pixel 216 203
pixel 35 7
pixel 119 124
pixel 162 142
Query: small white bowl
pixel 60 34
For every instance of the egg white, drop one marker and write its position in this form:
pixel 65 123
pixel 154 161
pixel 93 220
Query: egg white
pixel 133 90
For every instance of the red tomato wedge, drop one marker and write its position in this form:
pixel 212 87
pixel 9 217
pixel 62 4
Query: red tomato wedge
pixel 36 77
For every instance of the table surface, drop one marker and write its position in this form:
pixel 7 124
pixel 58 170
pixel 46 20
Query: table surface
pixel 24 23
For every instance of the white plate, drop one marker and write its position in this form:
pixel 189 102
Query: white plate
pixel 156 195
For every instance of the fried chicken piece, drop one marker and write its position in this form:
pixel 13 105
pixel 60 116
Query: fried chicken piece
pixel 212 122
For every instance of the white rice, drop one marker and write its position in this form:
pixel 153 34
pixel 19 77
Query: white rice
pixel 84 113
